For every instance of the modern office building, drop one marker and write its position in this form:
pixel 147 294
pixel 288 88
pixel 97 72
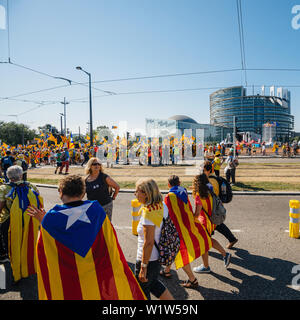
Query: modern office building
pixel 179 124
pixel 252 112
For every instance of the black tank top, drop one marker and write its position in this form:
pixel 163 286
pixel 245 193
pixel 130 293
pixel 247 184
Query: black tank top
pixel 98 189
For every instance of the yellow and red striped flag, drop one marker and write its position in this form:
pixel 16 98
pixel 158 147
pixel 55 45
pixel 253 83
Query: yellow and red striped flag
pixel 79 257
pixel 205 213
pixel 23 231
pixel 194 239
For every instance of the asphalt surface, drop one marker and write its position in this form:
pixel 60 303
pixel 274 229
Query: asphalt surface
pixel 261 264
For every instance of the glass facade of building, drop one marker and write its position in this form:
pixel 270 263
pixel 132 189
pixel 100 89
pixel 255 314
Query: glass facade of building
pixel 251 112
pixel 179 125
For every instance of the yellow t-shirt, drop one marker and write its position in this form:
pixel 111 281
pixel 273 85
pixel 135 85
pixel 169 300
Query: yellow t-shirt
pixel 217 163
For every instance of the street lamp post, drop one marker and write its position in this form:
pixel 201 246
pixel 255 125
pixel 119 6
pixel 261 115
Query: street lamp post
pixel 90 98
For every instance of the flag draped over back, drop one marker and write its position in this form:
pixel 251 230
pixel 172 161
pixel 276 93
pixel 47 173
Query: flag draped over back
pixel 154 213
pixel 194 239
pixel 79 257
pixel 204 218
pixel 23 231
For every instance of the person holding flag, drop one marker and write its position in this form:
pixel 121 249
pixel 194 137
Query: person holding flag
pixel 78 253
pixel 194 239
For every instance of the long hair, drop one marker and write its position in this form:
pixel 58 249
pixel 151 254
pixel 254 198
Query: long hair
pixel 88 167
pixel 200 185
pixel 150 188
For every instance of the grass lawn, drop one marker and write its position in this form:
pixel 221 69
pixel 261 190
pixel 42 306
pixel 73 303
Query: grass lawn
pixel 264 176
pixel 239 186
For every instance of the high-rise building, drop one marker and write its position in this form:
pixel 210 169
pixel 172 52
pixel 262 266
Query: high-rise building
pixel 252 112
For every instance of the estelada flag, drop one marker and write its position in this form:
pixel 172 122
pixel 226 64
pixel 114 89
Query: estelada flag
pixel 194 239
pixel 79 257
pixel 23 230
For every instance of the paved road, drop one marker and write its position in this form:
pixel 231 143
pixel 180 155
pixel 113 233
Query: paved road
pixel 261 264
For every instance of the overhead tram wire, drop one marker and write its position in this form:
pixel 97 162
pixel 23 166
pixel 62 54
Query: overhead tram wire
pixel 41 103
pixel 168 75
pixel 173 90
pixel 149 77
pixel 81 100
pixel 71 82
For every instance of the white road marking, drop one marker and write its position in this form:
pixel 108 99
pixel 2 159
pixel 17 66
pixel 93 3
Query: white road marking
pixel 122 227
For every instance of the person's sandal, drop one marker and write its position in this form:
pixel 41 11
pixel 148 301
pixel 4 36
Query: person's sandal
pixel 165 274
pixel 190 284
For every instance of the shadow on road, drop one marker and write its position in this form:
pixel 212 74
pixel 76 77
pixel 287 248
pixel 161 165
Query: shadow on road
pixel 27 288
pixel 271 281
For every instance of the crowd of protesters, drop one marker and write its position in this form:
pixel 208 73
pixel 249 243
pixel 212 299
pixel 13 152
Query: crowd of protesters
pixel 102 189
pixel 21 205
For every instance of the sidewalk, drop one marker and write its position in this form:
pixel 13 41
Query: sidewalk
pixel 237 193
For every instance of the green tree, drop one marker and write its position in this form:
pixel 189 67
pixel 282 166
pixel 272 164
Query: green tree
pixel 13 133
pixel 48 128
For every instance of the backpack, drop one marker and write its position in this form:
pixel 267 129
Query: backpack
pixel 6 162
pixel 218 213
pixel 24 165
pixel 169 243
pixel 225 190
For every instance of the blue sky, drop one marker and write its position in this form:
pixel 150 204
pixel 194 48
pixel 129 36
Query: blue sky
pixel 116 39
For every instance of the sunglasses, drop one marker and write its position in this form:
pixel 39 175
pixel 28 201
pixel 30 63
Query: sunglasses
pixel 95 164
pixel 138 190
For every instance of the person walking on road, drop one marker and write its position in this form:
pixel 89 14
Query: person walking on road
pixel 86 156
pixel 65 159
pixel 215 187
pixel 99 186
pixel 18 231
pixel 194 239
pixel 230 168
pixel 149 230
pixel 58 161
pixel 203 211
pixel 78 253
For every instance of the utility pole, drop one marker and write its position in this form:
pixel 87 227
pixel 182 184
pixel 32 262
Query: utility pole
pixel 65 115
pixel 90 103
pixel 61 125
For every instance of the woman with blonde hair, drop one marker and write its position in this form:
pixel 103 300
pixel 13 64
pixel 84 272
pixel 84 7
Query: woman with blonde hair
pixel 99 186
pixel 153 211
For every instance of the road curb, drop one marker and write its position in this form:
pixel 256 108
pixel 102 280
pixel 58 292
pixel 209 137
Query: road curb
pixel 236 193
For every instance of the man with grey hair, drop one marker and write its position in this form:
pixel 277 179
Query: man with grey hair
pixel 8 193
pixel 15 173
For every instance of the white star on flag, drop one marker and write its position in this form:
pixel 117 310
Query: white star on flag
pixel 76 213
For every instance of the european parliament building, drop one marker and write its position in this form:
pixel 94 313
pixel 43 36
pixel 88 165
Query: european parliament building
pixel 179 124
pixel 252 112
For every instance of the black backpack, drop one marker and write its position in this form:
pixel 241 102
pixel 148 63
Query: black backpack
pixel 225 190
pixel 169 243
pixel 6 162
pixel 24 165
